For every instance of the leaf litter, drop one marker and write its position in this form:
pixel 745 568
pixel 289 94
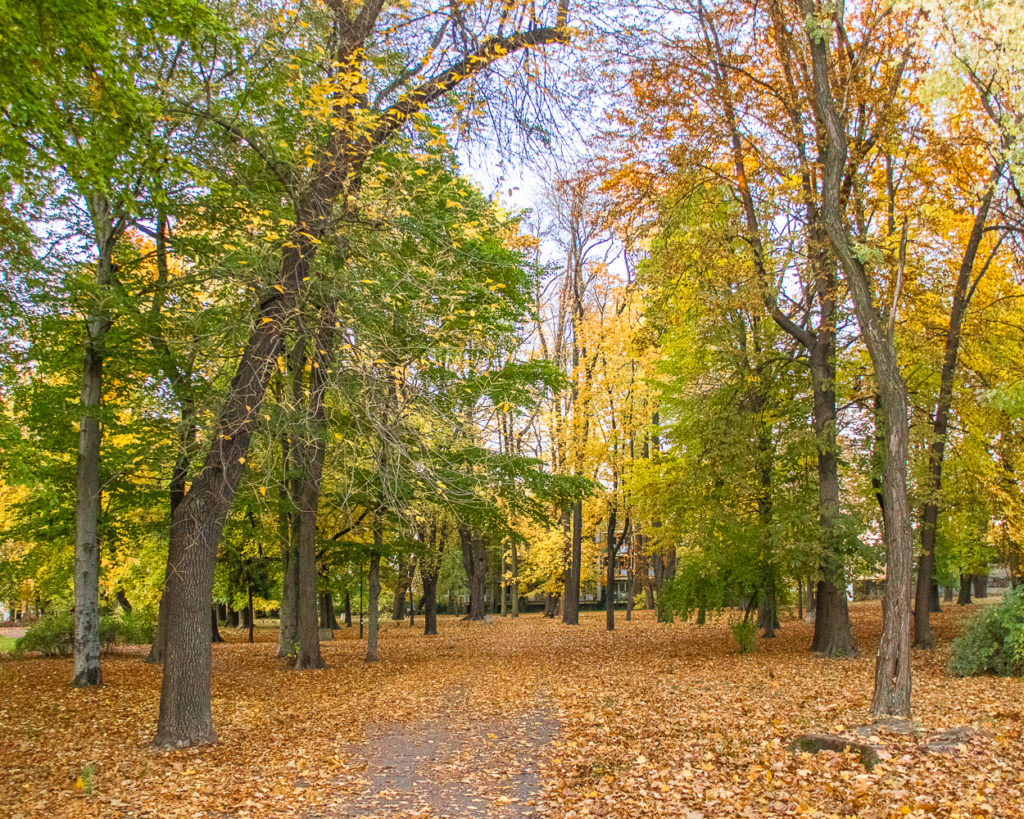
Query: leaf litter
pixel 519 718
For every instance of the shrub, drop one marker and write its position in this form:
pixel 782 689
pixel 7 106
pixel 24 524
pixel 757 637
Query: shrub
pixel 135 628
pixel 54 635
pixel 992 642
pixel 744 631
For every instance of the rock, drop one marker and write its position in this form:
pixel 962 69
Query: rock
pixel 326 634
pixel 949 742
pixel 489 619
pixel 812 743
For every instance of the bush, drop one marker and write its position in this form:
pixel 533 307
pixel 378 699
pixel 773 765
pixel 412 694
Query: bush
pixel 744 631
pixel 992 642
pixel 135 628
pixel 54 635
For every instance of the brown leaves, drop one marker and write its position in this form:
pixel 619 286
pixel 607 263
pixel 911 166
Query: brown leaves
pixel 650 720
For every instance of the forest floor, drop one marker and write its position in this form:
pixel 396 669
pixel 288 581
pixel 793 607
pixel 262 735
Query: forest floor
pixel 516 718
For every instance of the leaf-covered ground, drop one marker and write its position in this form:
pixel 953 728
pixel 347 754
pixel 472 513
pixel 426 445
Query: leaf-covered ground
pixel 524 717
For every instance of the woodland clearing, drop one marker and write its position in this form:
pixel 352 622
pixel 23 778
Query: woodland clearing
pixel 537 719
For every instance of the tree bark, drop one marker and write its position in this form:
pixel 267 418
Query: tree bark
pixel 287 640
pixel 962 292
pixel 981 585
pixel 571 597
pixel 373 603
pixel 429 579
pixel 87 672
pixel 611 555
pixel 964 596
pixel 348 609
pixel 214 629
pixel 251 617
pixel 474 561
pixel 832 634
pixel 515 581
pixel 892 670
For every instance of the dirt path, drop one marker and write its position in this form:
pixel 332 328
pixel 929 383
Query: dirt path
pixel 452 766
pixel 13 632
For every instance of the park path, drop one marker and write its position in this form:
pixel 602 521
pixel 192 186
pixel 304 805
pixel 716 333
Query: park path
pixel 14 632
pixel 452 765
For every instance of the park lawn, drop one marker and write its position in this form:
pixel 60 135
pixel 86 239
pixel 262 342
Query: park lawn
pixel 653 720
pixel 7 644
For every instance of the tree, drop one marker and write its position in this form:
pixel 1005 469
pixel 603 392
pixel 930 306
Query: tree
pixel 336 159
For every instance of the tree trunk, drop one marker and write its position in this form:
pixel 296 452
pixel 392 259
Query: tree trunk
pixel 474 561
pixel 287 640
pixel 611 555
pixel 87 671
pixel 348 609
pixel 215 630
pixel 251 617
pixel 311 452
pixel 767 613
pixel 398 609
pixel 947 594
pixel 964 597
pixel 514 585
pixel 832 634
pixel 429 579
pixel 571 599
pixel 981 586
pixel 962 292
pixel 936 607
pixel 373 604
pixel 328 619
pixel 892 670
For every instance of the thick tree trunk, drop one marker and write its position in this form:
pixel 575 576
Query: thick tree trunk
pixel 767 612
pixel 832 634
pixel 87 671
pixel 962 292
pixel 311 452
pixel 328 619
pixel 474 561
pixel 571 598
pixel 429 601
pixel 981 585
pixel 964 596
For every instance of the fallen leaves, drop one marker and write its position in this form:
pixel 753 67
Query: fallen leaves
pixel 649 720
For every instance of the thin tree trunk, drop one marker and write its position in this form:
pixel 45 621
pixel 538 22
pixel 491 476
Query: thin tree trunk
pixel 348 609
pixel 215 630
pixel 373 604
pixel 251 617
pixel 612 553
pixel 962 292
pixel 892 670
pixel 515 580
pixel 571 598
pixel 287 640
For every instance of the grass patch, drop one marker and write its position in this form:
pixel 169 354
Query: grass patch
pixel 7 644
